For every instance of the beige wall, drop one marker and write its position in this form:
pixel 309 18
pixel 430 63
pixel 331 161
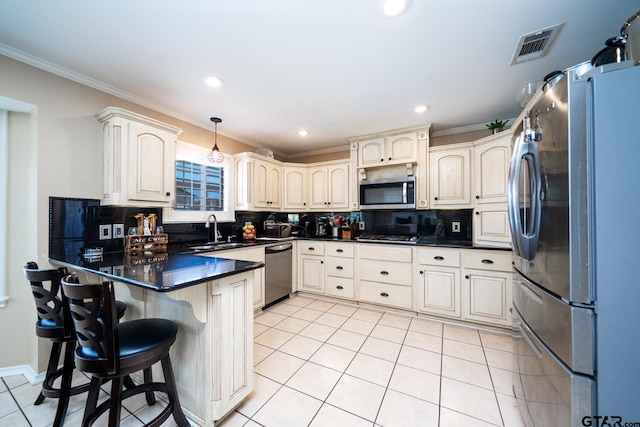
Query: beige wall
pixel 54 151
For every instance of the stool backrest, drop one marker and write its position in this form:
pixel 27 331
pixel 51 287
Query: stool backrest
pixel 45 287
pixel 93 311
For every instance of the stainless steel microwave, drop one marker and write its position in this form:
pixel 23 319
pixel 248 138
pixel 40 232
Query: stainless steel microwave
pixel 392 193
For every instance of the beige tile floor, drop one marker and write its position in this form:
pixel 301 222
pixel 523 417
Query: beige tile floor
pixel 323 363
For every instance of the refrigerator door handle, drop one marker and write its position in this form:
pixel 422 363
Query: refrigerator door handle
pixel 525 241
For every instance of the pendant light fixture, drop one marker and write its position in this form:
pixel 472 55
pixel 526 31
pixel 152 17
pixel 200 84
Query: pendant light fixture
pixel 215 156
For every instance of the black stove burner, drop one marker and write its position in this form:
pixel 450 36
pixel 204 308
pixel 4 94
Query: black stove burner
pixel 409 239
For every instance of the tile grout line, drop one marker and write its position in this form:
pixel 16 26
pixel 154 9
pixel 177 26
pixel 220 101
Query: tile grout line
pixel 16 402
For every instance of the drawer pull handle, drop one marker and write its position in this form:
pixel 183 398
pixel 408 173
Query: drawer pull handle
pixel 339 251
pixel 338 267
pixel 487 261
pixel 339 287
pixel 312 248
pixel 384 273
pixel 384 294
pixel 438 258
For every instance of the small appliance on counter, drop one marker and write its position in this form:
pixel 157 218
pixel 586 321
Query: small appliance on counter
pixel 322 226
pixel 277 230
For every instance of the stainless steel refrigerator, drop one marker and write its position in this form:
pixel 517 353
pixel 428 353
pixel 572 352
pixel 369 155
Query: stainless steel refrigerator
pixel 574 203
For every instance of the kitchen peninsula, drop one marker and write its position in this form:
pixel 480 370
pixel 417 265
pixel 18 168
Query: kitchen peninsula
pixel 211 299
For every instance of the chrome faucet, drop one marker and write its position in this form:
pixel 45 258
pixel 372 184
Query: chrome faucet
pixel 207 224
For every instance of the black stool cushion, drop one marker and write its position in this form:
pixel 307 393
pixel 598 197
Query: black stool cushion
pixel 139 336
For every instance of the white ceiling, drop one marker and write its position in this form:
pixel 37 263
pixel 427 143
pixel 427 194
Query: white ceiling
pixel 337 68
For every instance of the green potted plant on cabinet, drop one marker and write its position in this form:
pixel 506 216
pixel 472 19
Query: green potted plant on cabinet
pixel 497 125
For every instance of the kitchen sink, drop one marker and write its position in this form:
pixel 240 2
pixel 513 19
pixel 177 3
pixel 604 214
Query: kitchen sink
pixel 216 246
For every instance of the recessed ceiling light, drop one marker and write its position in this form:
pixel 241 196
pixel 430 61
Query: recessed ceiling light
pixel 213 81
pixel 422 108
pixel 394 8
pixel 303 133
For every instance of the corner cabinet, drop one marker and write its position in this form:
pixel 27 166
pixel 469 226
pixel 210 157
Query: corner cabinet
pixel 450 172
pixel 258 182
pixel 492 156
pixel 139 159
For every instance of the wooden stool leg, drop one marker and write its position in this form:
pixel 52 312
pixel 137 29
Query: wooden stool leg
pixel 52 367
pixel 116 401
pixel 92 401
pixel 172 392
pixel 65 385
pixel 148 379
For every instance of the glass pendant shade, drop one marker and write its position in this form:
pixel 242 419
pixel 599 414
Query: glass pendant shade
pixel 215 156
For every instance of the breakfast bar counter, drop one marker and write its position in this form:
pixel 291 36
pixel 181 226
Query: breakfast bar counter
pixel 211 300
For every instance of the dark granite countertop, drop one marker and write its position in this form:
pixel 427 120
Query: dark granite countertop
pixel 159 272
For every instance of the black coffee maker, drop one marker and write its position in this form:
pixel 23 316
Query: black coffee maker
pixel 322 226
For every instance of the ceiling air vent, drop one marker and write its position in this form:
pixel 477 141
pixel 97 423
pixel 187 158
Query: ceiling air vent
pixel 534 45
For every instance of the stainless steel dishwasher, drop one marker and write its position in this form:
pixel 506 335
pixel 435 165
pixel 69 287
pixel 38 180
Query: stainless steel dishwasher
pixel 278 275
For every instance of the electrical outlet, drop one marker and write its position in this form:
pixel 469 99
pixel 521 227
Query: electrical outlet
pixel 118 231
pixel 361 225
pixel 105 231
pixel 455 226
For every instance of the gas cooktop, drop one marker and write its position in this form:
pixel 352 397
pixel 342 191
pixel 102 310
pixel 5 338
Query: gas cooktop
pixel 407 239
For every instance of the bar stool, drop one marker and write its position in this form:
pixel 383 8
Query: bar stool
pixel 54 323
pixel 110 351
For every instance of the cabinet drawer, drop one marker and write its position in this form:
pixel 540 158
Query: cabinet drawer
pixel 487 260
pixel 386 294
pixel 385 252
pixel 311 248
pixel 340 267
pixel 340 287
pixel 398 273
pixel 345 250
pixel 445 257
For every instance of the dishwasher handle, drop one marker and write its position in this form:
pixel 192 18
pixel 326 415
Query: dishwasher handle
pixel 278 248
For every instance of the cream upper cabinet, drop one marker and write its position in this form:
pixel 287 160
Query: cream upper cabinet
pixel 328 186
pixel 450 172
pixel 388 149
pixel 267 183
pixel 492 156
pixel 294 188
pixel 258 182
pixel 139 159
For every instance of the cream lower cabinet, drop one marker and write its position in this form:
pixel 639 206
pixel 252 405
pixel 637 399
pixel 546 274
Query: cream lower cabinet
pixel 486 287
pixel 385 277
pixel 339 268
pixel 311 266
pixel 249 254
pixel 438 281
pixel 212 357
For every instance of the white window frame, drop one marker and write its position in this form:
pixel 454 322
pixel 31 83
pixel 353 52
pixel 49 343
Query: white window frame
pixel 197 154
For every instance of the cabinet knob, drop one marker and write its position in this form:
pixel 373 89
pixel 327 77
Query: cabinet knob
pixel 435 198
pixel 477 213
pixel 168 193
pixel 384 273
pixel 328 203
pixel 477 197
pixel 382 160
pixel 389 158
pixel 304 204
pixel 421 271
pixel 466 277
pixel 384 294
pixel 339 287
pixel 321 262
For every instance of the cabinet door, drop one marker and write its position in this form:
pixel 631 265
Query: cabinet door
pixel 492 171
pixel 317 188
pixel 338 186
pixel 402 148
pixel 295 188
pixel 491 225
pixel 311 274
pixel 267 183
pixel 371 152
pixel 439 290
pixel 486 296
pixel 151 164
pixel 450 173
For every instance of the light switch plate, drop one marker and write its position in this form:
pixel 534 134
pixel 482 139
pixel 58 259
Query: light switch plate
pixel 118 231
pixel 455 226
pixel 105 231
